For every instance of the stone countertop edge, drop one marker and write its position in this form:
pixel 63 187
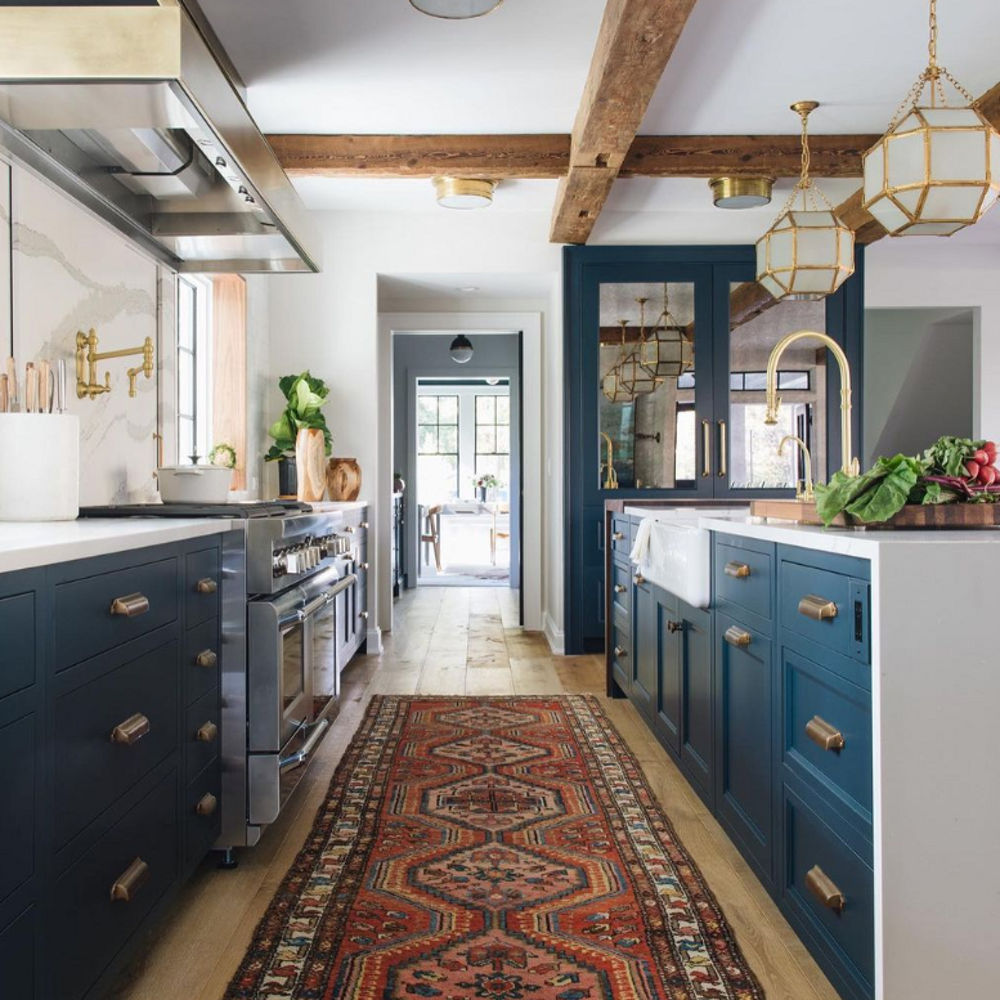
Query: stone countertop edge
pixel 30 544
pixel 865 544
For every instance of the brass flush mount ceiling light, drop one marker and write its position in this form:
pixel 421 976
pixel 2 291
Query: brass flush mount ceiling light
pixel 464 192
pixel 808 253
pixel 937 169
pixel 455 10
pixel 741 192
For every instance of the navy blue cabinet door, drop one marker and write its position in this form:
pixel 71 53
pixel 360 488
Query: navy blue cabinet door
pixel 744 700
pixel 645 649
pixel 670 629
pixel 697 727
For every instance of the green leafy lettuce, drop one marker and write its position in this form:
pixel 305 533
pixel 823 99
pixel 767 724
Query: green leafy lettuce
pixel 872 497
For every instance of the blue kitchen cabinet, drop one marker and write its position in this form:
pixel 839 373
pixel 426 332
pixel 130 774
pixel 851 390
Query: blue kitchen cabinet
pixel 693 643
pixel 645 648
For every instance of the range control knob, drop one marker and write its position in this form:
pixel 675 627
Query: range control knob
pixel 279 564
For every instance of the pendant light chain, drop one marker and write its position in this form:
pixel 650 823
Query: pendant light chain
pixel 804 180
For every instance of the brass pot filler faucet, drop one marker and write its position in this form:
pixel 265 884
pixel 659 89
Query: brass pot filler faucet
pixel 87 358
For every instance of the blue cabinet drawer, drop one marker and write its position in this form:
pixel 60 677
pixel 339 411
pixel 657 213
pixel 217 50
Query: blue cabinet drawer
pixel 18 619
pixel 202 735
pixel 828 889
pixel 621 592
pixel 823 605
pixel 621 657
pixel 18 955
pixel 827 735
pixel 744 576
pixel 201 585
pixel 19 767
pixel 202 660
pixel 109 733
pixel 96 613
pixel 201 816
pixel 621 533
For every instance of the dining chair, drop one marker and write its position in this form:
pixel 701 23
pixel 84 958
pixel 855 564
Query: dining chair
pixel 500 529
pixel 431 534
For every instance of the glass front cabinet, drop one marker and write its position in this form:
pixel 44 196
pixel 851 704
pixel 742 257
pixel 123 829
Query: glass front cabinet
pixel 666 352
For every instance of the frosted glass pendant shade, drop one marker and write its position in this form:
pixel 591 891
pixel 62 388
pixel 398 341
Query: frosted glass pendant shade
pixel 634 378
pixel 936 172
pixel 456 9
pixel 666 353
pixel 806 254
pixel 613 389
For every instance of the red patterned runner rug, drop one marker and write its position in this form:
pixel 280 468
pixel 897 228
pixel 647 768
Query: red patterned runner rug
pixel 497 848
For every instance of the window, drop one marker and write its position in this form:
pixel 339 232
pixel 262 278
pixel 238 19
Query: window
pixel 493 438
pixel 757 381
pixel 194 418
pixel 437 448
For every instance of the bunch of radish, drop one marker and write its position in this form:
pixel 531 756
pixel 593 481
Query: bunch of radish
pixel 981 467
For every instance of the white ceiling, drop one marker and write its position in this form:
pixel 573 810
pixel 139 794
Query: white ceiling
pixel 374 66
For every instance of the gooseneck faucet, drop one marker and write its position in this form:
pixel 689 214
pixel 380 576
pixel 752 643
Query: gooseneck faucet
pixel 803 491
pixel 849 464
pixel 611 477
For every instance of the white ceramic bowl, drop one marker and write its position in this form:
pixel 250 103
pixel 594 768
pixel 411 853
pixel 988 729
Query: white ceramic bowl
pixel 194 483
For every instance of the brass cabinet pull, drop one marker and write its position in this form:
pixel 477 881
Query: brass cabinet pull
pixel 207 804
pixel 739 571
pixel 675 627
pixel 206 658
pixel 723 446
pixel 824 735
pixel 124 888
pixel 737 637
pixel 620 588
pixel 364 525
pixel 363 566
pixel 639 579
pixel 207 733
pixel 618 536
pixel 817 608
pixel 130 605
pixel 349 529
pixel 620 653
pixel 131 730
pixel 825 890
pixel 364 614
pixel 206 586
pixel 706 448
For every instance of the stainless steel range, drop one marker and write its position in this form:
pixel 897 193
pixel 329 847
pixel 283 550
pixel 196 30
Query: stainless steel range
pixel 289 593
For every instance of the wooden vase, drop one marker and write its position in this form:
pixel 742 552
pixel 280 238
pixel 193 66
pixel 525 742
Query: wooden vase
pixel 343 479
pixel 310 464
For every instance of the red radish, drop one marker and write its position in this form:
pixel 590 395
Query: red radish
pixel 981 457
pixel 991 449
pixel 972 468
pixel 987 475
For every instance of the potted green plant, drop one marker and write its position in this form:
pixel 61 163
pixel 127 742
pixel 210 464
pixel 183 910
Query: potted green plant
pixel 305 396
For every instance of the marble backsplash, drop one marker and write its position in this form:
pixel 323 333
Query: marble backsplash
pixel 72 272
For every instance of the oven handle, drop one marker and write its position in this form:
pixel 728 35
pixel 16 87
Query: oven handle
pixel 300 756
pixel 294 617
pixel 314 605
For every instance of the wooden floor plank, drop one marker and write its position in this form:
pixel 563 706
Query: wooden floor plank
pixel 451 641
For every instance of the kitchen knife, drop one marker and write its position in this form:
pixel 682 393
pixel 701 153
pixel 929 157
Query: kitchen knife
pixel 30 388
pixel 44 387
pixel 3 393
pixel 61 385
pixel 14 402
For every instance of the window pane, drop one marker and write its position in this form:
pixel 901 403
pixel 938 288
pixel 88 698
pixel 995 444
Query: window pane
pixel 486 439
pixel 503 409
pixel 684 456
pixel 485 409
pixel 427 440
pixel 755 381
pixel 437 478
pixel 427 409
pixel 686 381
pixel 793 380
pixel 448 440
pixel 503 439
pixel 448 409
pixel 185 383
pixel 185 438
pixel 185 314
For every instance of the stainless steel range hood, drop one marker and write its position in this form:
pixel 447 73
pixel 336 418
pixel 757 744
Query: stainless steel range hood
pixel 128 110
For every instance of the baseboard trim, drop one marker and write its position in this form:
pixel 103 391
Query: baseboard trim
pixel 555 637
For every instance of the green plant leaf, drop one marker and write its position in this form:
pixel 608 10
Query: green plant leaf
pixel 285 384
pixel 833 497
pixel 887 495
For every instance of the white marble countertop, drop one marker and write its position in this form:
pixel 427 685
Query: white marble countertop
pixel 27 544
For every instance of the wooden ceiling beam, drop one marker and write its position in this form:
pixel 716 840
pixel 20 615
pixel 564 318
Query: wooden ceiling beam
pixel 634 44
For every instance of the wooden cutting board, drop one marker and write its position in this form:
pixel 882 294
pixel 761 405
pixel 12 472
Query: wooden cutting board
pixel 952 515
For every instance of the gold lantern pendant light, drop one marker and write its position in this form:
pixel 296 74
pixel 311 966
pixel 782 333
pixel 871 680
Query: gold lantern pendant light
pixel 809 252
pixel 635 378
pixel 612 385
pixel 667 352
pixel 937 169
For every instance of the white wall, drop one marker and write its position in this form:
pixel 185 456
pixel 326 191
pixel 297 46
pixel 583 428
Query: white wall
pixel 328 323
pixel 940 273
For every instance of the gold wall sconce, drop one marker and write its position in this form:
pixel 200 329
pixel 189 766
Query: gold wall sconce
pixel 87 358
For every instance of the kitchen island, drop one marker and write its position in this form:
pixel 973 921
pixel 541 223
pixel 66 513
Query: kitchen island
pixel 834 704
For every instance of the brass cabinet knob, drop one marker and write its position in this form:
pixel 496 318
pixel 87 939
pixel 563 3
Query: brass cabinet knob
pixel 824 735
pixel 206 586
pixel 124 888
pixel 207 733
pixel 206 805
pixel 206 658
pixel 675 627
pixel 130 606
pixel 363 565
pixel 349 529
pixel 620 588
pixel 364 525
pixel 364 614
pixel 737 637
pixel 131 730
pixel 621 653
pixel 738 571
pixel 618 536
pixel 817 608
pixel 639 579
pixel 825 890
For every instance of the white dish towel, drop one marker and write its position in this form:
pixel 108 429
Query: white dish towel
pixel 640 550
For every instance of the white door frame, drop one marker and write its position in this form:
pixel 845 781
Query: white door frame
pixel 529 325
